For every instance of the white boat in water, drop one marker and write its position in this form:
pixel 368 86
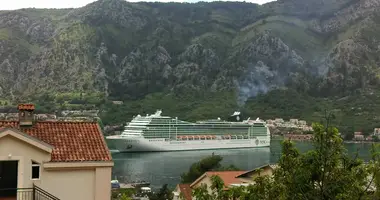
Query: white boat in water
pixel 155 133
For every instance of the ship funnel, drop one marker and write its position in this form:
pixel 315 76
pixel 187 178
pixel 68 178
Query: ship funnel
pixel 158 113
pixel 236 113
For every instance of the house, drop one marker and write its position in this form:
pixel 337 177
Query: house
pixel 269 121
pixel 376 131
pixel 279 120
pixel 306 128
pixel 293 121
pixel 66 160
pixel 182 192
pixel 117 102
pixel 230 179
pixel 369 138
pixel 299 137
pixel 249 176
pixel 302 122
pixel 358 136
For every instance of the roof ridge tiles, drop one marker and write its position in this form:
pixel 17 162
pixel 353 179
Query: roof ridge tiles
pixel 72 141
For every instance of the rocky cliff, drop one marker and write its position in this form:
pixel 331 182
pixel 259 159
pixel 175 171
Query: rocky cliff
pixel 128 50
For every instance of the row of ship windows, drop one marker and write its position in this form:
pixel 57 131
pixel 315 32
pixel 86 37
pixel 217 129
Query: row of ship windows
pixel 191 126
pixel 183 135
pixel 201 132
pixel 208 133
pixel 136 141
pixel 133 141
pixel 206 128
pixel 190 138
pixel 179 139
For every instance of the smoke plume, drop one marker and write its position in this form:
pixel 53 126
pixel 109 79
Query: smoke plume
pixel 258 78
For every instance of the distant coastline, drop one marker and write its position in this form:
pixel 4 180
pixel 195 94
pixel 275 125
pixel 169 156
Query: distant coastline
pixel 306 139
pixel 357 142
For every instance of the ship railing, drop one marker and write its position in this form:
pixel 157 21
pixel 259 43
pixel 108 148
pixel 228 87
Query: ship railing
pixel 214 137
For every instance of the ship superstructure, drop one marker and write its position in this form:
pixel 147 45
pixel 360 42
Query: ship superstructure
pixel 163 133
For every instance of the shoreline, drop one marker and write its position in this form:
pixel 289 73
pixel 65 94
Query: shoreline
pixel 357 142
pixel 278 137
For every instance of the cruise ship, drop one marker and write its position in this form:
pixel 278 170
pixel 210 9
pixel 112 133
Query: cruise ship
pixel 157 133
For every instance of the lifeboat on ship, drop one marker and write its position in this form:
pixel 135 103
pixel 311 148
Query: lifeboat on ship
pixel 227 137
pixel 211 137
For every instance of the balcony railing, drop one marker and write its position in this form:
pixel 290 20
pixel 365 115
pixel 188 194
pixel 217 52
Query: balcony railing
pixel 34 193
pixel 41 194
pixel 16 193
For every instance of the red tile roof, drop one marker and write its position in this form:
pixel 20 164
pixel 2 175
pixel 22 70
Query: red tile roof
pixel 25 106
pixel 228 177
pixel 72 141
pixel 186 191
pixel 245 174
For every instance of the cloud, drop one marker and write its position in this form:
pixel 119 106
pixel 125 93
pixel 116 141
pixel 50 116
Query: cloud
pixel 18 4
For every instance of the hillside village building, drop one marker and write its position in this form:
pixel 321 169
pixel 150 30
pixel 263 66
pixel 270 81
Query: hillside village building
pixel 64 160
pixel 230 179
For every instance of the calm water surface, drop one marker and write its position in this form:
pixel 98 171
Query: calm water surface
pixel 166 167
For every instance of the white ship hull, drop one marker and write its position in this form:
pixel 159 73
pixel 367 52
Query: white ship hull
pixel 140 144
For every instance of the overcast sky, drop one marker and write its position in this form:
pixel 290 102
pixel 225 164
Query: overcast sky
pixel 17 4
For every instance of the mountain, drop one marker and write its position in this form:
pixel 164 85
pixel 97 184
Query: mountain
pixel 193 55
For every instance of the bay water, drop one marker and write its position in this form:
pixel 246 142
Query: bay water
pixel 166 167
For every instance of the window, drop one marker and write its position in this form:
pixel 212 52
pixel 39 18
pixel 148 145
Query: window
pixel 35 170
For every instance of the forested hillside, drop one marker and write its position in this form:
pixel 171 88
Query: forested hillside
pixel 289 58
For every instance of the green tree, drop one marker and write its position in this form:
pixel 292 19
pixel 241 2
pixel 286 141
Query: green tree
pixel 374 168
pixel 217 190
pixel 125 197
pixel 210 163
pixel 163 194
pixel 122 194
pixel 326 172
pixel 262 189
